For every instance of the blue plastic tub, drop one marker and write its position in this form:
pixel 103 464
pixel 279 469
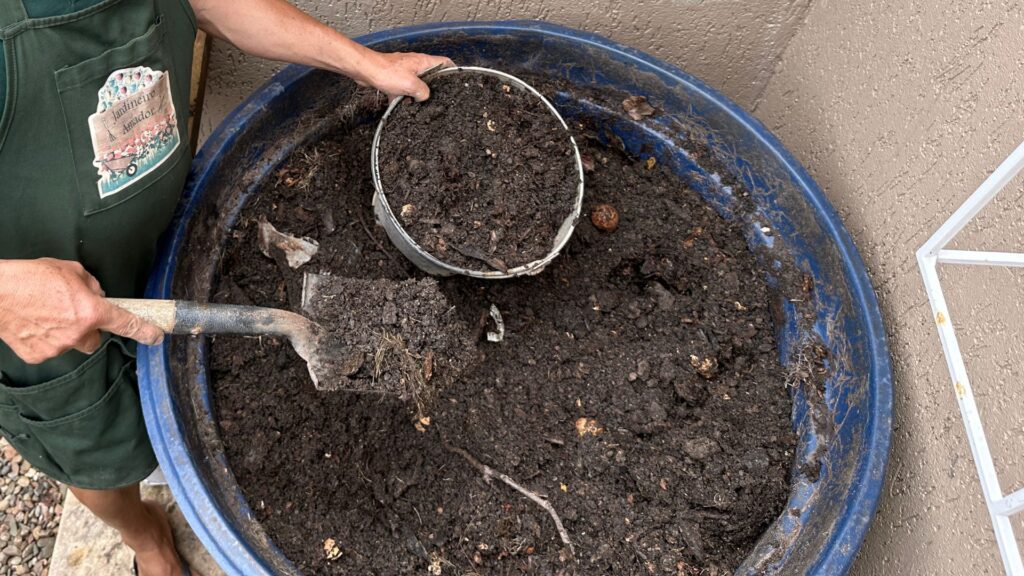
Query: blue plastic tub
pixel 712 144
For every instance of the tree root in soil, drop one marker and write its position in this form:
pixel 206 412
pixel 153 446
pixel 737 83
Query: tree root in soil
pixel 489 473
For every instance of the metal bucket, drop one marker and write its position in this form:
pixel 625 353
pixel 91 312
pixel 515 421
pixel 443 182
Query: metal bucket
pixel 423 259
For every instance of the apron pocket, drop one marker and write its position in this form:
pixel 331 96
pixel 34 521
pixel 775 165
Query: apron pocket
pixel 83 428
pixel 71 392
pixel 122 119
pixel 98 444
pixel 19 435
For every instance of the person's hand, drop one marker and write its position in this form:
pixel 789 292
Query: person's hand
pixel 397 73
pixel 48 307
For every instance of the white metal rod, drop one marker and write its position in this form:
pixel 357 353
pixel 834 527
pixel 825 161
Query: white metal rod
pixel 980 258
pixel 989 188
pixel 1010 504
pixel 1008 549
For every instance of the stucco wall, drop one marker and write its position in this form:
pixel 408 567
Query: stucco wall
pixel 899 110
pixel 731 44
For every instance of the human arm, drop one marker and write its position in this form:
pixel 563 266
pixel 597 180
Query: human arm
pixel 49 306
pixel 277 30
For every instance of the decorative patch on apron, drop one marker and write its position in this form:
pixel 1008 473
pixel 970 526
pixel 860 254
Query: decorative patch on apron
pixel 134 129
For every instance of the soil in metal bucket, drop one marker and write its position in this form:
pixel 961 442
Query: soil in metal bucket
pixel 636 388
pixel 481 175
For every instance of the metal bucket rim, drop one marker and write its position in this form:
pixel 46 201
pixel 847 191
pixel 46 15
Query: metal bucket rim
pixel 432 264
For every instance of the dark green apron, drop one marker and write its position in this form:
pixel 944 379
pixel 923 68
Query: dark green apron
pixel 93 158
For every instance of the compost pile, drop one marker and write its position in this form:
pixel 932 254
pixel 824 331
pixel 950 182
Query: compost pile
pixel 481 175
pixel 635 387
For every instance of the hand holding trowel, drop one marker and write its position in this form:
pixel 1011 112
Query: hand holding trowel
pixel 364 335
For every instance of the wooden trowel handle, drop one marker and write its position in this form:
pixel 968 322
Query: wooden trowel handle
pixel 184 317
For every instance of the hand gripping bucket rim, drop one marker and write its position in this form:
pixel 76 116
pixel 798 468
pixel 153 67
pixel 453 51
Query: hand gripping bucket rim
pixel 423 259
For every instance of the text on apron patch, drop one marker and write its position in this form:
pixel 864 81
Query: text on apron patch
pixel 134 129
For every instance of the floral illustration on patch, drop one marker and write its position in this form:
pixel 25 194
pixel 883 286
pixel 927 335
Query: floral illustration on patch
pixel 134 129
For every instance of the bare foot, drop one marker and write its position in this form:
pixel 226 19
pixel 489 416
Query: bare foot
pixel 144 527
pixel 155 554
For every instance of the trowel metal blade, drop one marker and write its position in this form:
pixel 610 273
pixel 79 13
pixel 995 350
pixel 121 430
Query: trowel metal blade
pixel 331 365
pixel 311 289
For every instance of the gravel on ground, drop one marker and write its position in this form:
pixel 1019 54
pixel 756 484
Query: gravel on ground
pixel 30 509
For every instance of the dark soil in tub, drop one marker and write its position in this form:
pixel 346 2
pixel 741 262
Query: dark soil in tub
pixel 637 388
pixel 481 175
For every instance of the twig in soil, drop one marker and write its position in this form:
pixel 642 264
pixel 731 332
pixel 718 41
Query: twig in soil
pixel 373 238
pixel 293 296
pixel 478 254
pixel 489 473
pixel 481 325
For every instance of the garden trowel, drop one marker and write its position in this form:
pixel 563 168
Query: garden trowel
pixel 329 362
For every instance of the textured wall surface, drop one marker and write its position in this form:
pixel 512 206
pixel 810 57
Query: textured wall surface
pixel 731 44
pixel 900 110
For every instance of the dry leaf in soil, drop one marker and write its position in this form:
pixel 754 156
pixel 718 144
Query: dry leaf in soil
pixel 637 107
pixel 706 367
pixel 586 426
pixel 331 549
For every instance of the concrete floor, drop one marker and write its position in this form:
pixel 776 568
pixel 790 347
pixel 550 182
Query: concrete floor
pixel 899 110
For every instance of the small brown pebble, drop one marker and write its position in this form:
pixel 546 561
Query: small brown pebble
pixel 604 217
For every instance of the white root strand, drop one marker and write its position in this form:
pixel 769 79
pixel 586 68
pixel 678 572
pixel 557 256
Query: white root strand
pixel 489 473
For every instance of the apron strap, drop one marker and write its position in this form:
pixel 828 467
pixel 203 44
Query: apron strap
pixel 11 12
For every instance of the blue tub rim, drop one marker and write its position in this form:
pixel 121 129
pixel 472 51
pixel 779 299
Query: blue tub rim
pixel 226 545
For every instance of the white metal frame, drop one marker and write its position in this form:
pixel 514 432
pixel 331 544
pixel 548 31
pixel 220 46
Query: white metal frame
pixel 1001 507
